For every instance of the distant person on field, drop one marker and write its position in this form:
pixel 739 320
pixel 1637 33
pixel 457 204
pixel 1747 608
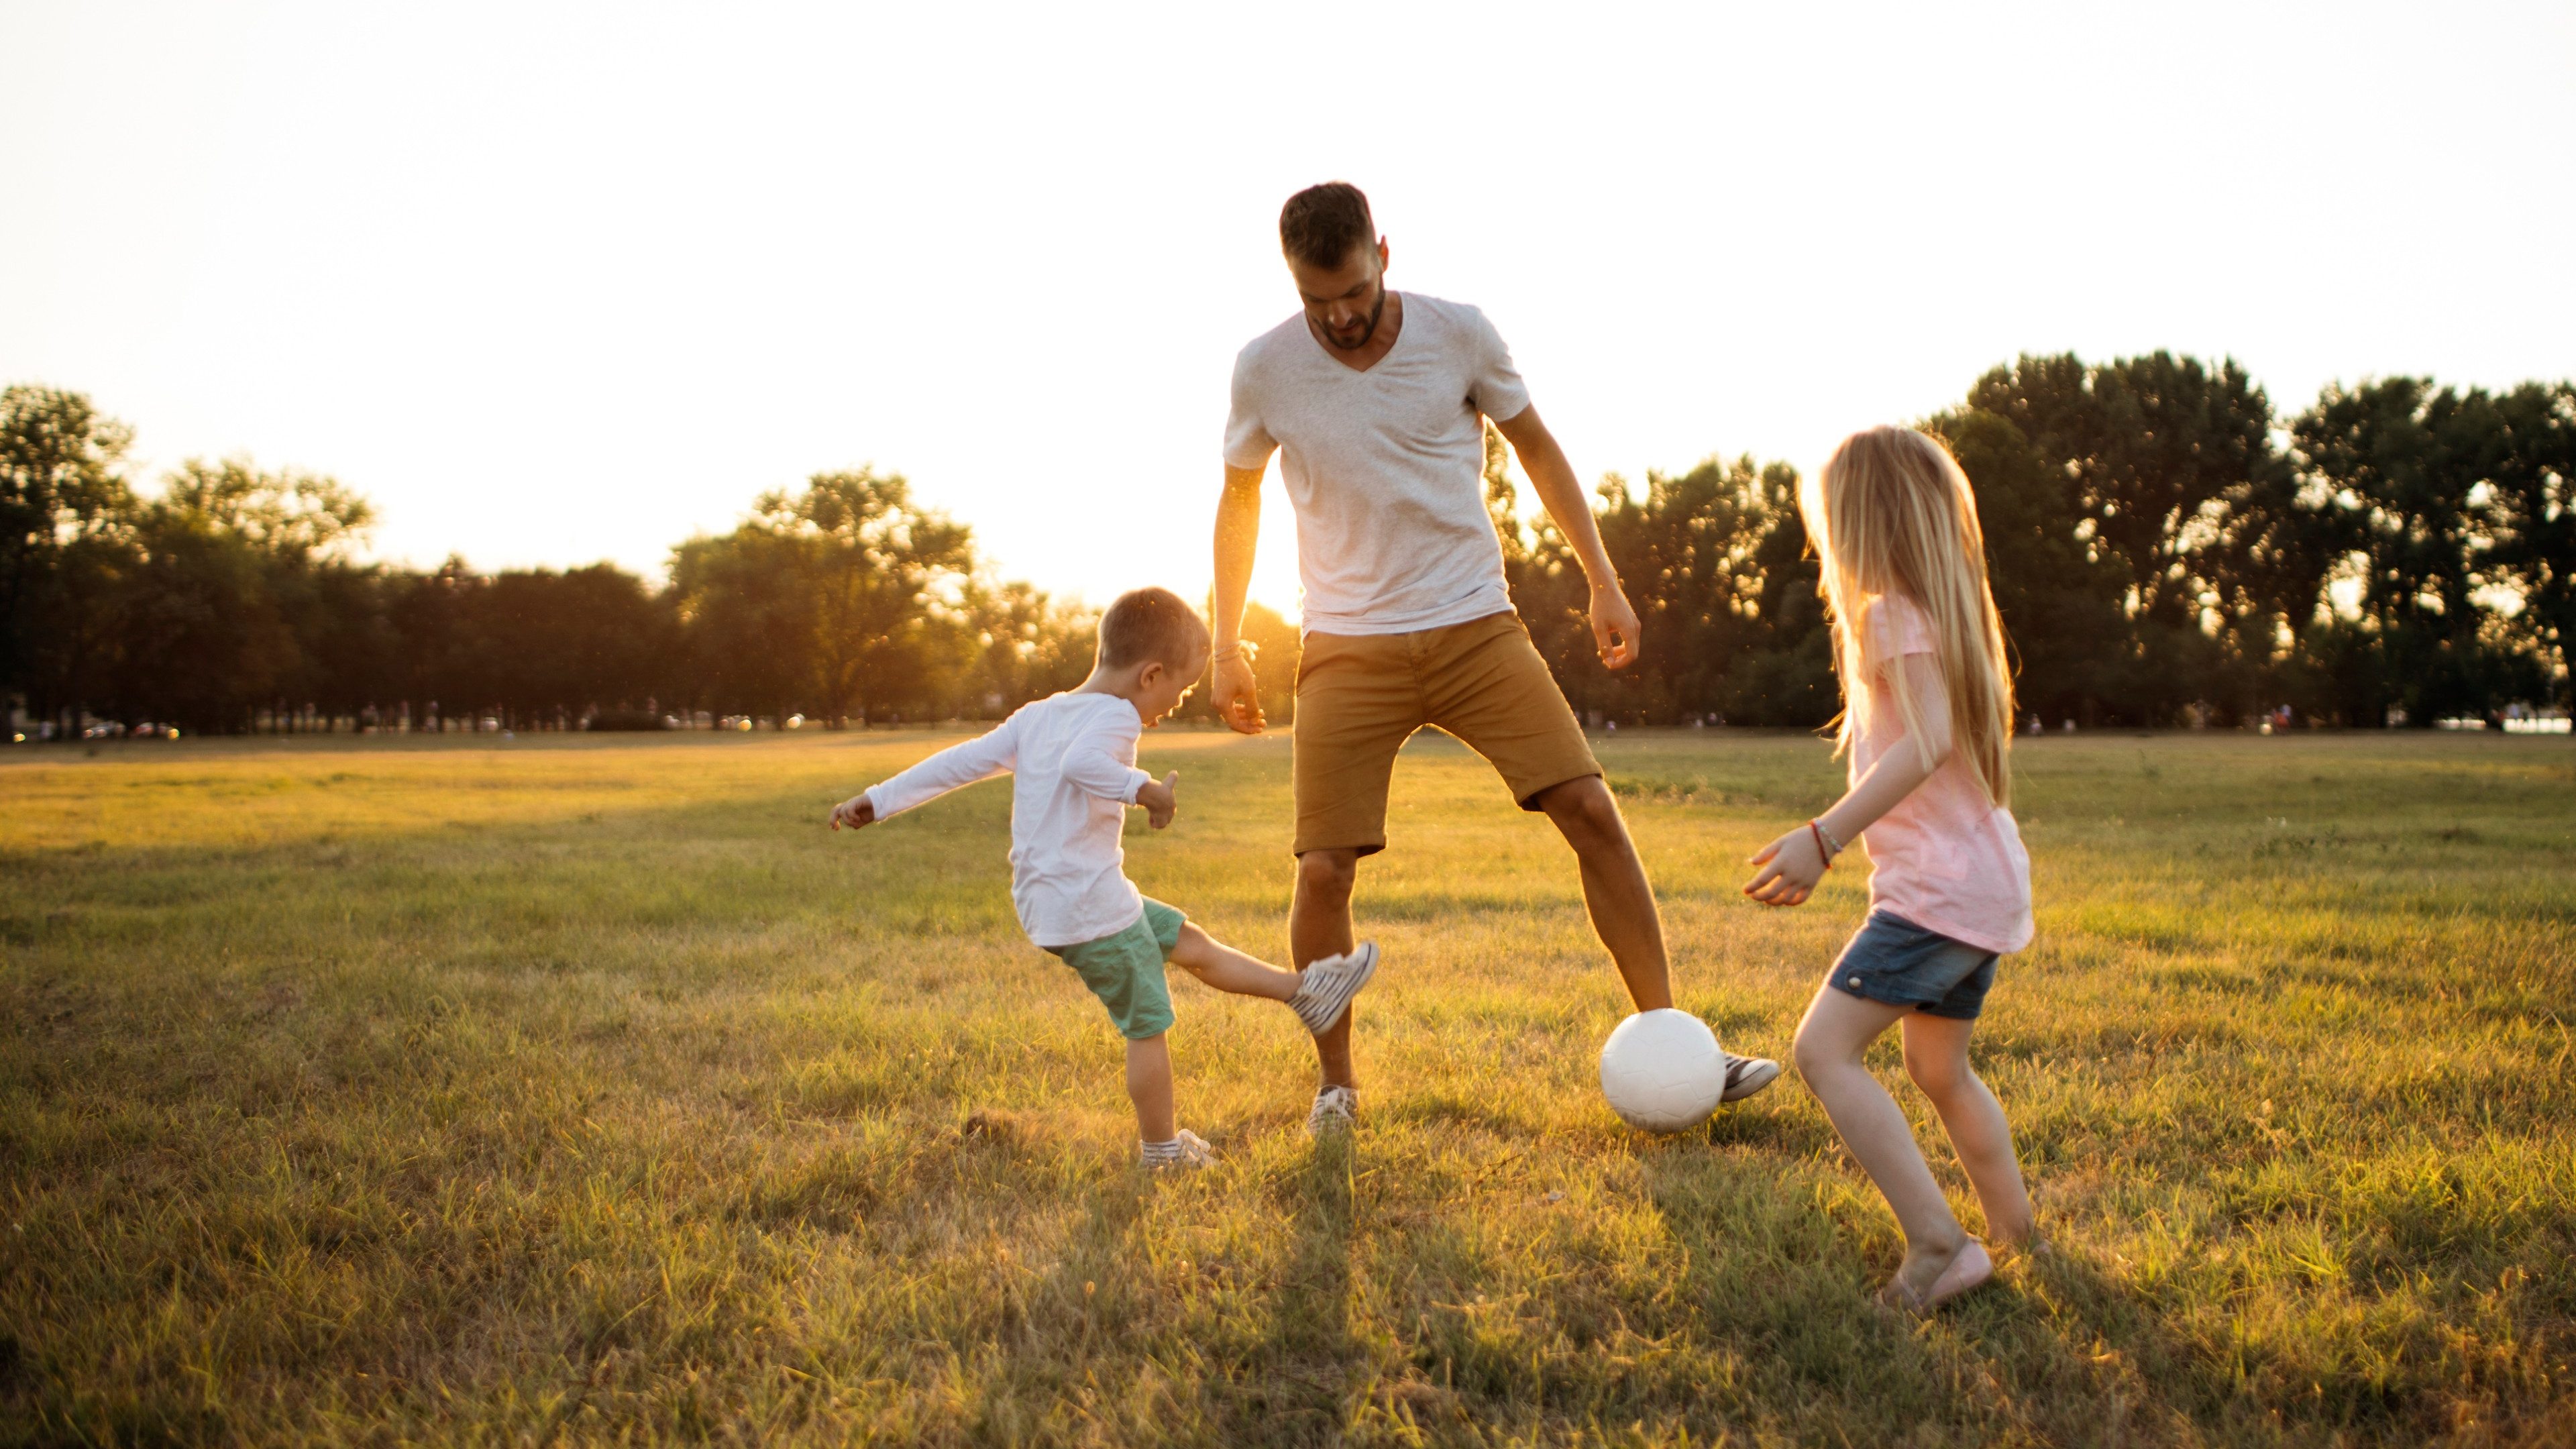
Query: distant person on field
pixel 1072 759
pixel 1928 723
pixel 1374 400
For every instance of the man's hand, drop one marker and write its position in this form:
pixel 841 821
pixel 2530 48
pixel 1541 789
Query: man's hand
pixel 1157 798
pixel 1236 693
pixel 1614 625
pixel 854 812
pixel 1791 866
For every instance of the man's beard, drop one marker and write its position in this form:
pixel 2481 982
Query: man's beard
pixel 1375 313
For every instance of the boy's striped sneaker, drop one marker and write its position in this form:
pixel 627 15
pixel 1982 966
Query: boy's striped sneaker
pixel 1329 983
pixel 1336 1109
pixel 1187 1149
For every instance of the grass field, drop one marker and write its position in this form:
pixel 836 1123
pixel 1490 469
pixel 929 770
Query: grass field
pixel 583 1088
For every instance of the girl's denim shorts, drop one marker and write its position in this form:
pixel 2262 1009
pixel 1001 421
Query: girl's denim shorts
pixel 1895 962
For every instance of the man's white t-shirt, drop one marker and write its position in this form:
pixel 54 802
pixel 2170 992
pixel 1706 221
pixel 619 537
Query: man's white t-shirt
pixel 1385 468
pixel 1072 762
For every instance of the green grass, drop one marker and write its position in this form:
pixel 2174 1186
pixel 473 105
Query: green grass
pixel 377 1091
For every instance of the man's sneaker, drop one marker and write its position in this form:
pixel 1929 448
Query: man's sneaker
pixel 1186 1149
pixel 1329 983
pixel 1335 1109
pixel 1748 1075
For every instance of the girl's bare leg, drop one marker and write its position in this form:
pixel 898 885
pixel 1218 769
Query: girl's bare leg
pixel 1838 1028
pixel 1936 1057
pixel 1227 969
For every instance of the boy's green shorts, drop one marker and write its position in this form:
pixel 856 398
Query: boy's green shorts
pixel 1126 970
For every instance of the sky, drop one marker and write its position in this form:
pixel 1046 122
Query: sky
pixel 551 284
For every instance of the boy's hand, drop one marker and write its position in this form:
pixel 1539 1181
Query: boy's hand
pixel 1791 866
pixel 1157 798
pixel 854 812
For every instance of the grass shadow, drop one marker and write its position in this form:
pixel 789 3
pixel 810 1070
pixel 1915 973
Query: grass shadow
pixel 1298 1373
pixel 1057 1327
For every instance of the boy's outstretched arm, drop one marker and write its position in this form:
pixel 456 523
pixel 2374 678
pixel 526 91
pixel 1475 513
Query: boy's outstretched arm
pixel 1091 765
pixel 992 753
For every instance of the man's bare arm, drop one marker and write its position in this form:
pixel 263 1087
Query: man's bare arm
pixel 1234 690
pixel 1614 623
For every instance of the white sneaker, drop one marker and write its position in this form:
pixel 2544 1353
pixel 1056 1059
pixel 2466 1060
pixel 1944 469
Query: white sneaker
pixel 1326 986
pixel 1335 1110
pixel 1748 1075
pixel 1190 1151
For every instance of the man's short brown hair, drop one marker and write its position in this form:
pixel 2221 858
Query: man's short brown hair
pixel 1151 624
pixel 1322 225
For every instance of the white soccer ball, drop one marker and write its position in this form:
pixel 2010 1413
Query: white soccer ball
pixel 1662 1070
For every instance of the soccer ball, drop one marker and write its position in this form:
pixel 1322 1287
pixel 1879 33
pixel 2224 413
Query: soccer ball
pixel 1662 1070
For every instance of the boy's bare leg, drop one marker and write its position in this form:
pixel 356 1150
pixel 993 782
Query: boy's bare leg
pixel 1838 1028
pixel 1149 1086
pixel 1936 1057
pixel 1319 925
pixel 1615 890
pixel 1227 969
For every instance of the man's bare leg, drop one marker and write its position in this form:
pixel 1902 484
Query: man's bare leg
pixel 1615 891
pixel 1319 925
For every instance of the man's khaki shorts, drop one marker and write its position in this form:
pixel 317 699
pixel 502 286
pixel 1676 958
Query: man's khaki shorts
pixel 1361 696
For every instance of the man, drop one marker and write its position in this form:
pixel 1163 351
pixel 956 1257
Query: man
pixel 1374 398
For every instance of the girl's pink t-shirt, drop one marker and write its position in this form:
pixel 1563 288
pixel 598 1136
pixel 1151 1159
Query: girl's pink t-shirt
pixel 1945 858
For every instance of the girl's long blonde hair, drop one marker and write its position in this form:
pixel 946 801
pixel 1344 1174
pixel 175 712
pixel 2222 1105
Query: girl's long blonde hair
pixel 1893 514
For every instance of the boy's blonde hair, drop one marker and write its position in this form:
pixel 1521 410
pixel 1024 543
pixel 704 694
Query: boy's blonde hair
pixel 1893 514
pixel 1157 624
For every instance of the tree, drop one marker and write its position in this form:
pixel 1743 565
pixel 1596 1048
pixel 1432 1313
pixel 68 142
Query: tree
pixel 2161 455
pixel 434 618
pixel 838 597
pixel 2409 465
pixel 560 645
pixel 748 620
pixel 2058 599
pixel 64 507
pixel 1713 560
pixel 227 558
pixel 348 654
pixel 1784 669
pixel 2530 473
pixel 1026 646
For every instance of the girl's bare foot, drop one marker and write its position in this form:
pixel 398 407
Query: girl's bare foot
pixel 1967 1268
pixel 1923 1266
pixel 2027 1245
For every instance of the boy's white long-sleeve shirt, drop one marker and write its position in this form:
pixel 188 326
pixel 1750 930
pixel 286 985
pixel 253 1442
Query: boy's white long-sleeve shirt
pixel 1072 762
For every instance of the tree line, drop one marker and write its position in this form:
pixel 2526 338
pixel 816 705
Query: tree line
pixel 231 600
pixel 2164 548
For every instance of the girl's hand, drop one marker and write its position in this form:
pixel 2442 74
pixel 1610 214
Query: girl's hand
pixel 1791 866
pixel 854 812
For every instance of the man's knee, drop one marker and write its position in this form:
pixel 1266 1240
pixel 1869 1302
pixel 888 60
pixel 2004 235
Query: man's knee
pixel 1327 874
pixel 1585 813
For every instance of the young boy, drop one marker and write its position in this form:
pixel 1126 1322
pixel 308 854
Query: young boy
pixel 1072 759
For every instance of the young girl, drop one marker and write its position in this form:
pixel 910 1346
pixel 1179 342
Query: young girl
pixel 1927 721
